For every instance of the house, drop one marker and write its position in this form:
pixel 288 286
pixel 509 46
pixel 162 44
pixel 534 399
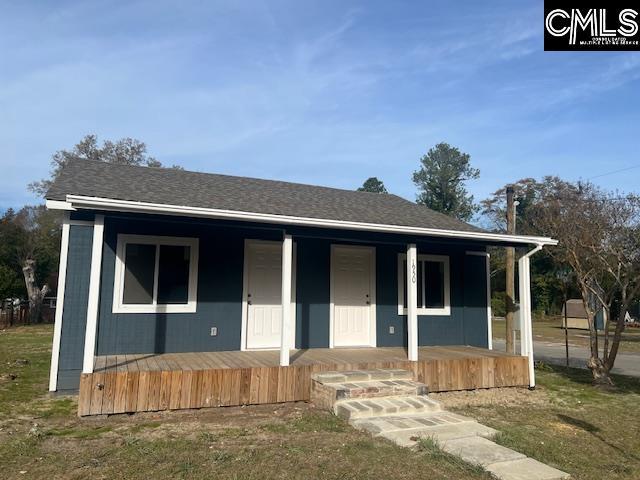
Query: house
pixel 180 289
pixel 576 315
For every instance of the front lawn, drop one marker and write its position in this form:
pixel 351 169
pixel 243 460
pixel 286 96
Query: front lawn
pixel 565 422
pixel 41 437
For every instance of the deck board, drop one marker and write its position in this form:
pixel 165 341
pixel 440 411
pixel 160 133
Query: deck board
pixel 233 360
pixel 167 381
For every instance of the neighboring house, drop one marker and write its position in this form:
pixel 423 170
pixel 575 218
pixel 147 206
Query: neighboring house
pixel 180 289
pixel 577 315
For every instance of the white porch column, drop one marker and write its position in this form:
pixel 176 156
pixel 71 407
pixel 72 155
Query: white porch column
pixel 285 329
pixel 526 336
pixel 94 295
pixel 412 302
pixel 489 313
pixel 57 329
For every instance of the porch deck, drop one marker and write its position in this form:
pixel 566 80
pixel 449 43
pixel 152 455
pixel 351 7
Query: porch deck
pixel 151 382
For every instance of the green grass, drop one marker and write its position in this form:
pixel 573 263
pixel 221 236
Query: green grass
pixel 586 431
pixel 25 353
pixel 42 436
pixel 432 450
pixel 567 423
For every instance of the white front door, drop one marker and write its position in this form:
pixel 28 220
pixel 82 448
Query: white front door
pixel 263 294
pixel 353 292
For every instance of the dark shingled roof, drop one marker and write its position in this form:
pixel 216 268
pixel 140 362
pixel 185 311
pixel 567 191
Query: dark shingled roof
pixel 194 189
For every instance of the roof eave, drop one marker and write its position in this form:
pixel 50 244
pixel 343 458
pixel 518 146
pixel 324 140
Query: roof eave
pixel 74 202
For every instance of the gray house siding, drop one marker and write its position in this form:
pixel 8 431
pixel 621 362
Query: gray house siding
pixel 74 315
pixel 221 258
pixel 475 301
pixel 312 292
pixel 220 294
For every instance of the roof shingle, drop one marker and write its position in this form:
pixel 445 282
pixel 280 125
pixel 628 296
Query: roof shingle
pixel 205 190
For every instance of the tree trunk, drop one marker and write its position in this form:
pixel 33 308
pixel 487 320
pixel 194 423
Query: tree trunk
pixel 600 372
pixel 617 335
pixel 36 295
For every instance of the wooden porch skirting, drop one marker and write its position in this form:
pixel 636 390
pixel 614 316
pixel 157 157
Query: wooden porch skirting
pixel 153 382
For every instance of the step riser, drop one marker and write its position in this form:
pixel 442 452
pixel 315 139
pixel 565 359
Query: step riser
pixel 335 393
pixel 374 392
pixel 370 393
pixel 356 410
pixel 362 376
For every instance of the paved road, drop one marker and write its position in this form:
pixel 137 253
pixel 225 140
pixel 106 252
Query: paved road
pixel 626 363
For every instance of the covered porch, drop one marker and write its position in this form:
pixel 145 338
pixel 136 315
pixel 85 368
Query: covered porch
pixel 171 381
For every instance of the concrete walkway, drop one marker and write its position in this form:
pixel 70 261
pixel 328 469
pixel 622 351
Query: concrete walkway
pixel 389 404
pixel 463 437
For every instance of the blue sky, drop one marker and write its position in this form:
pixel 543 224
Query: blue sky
pixel 326 92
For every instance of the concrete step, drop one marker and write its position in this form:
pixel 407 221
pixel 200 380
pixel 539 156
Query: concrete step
pixel 373 389
pixel 525 469
pixel 407 430
pixel 362 375
pixel 378 407
pixel 330 388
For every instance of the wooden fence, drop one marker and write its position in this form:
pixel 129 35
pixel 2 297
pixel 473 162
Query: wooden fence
pixel 17 313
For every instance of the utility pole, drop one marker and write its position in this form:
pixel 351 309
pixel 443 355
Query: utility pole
pixel 510 273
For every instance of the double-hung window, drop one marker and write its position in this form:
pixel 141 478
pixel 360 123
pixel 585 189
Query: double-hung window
pixel 432 275
pixel 155 274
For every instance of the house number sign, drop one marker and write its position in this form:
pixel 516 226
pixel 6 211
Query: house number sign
pixel 413 271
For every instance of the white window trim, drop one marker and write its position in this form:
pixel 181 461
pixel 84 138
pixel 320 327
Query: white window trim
pixel 446 310
pixel 189 307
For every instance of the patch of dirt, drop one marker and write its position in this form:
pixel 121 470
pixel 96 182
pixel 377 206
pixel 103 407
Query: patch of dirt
pixel 491 397
pixel 185 421
pixel 564 427
pixel 8 377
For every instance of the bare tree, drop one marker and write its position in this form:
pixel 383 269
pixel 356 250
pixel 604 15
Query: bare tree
pixel 126 151
pixel 32 234
pixel 599 234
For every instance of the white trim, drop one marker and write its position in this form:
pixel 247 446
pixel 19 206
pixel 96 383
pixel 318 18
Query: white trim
pixel 58 205
pixel 154 307
pixel 373 338
pixel 446 309
pixel 294 298
pixel 94 295
pixel 287 261
pixel 81 201
pixel 331 302
pixel 245 292
pixel 526 333
pixel 489 314
pixel 57 329
pixel 411 282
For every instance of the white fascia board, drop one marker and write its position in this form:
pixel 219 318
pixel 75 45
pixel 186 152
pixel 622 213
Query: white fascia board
pixel 79 201
pixel 58 205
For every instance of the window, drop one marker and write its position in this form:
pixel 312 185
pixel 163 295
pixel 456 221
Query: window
pixel 155 274
pixel 432 272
